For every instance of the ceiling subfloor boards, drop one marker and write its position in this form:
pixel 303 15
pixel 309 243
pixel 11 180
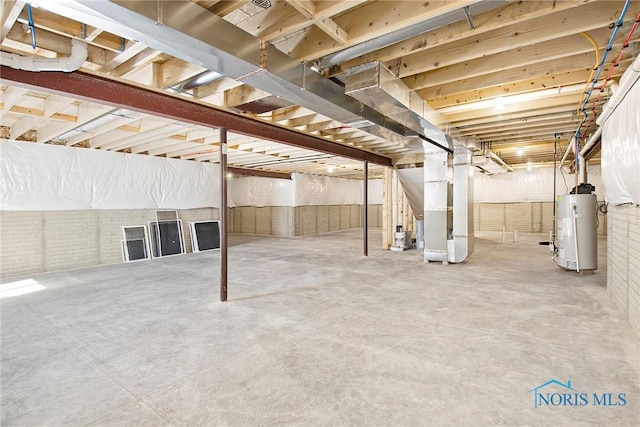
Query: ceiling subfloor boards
pixel 119 94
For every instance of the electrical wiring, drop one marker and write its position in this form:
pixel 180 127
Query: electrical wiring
pixel 564 179
pixel 616 62
pixel 594 79
pixel 593 70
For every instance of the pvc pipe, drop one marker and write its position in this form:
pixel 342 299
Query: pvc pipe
pixel 582 169
pixel 504 234
pixel 567 151
pixel 575 234
pixel 515 236
pixel 35 63
pixel 591 142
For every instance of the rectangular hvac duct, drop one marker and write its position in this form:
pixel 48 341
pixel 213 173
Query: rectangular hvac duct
pixel 377 87
pixel 192 33
pixel 462 205
pixel 436 210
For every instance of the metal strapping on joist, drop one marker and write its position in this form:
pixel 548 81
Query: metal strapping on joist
pixel 263 63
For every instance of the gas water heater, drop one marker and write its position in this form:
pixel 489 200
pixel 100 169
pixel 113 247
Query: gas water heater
pixel 577 232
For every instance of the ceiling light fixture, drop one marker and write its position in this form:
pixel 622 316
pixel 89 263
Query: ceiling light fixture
pixel 529 166
pixel 520 151
pixel 330 169
pixel 498 103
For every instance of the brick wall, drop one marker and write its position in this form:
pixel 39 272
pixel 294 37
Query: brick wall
pixel 623 260
pixel 526 217
pixel 37 241
pixel 300 220
pixel 22 247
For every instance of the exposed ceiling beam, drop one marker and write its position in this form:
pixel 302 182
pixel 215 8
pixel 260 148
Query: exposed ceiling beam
pixel 225 7
pixel 510 13
pixel 287 23
pixel 9 12
pixel 379 18
pixel 119 94
pixel 258 172
pixel 328 25
pixel 513 38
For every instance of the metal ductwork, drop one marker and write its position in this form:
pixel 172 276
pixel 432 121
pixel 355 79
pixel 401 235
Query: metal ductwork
pixel 187 31
pixel 35 63
pixel 406 33
pixel 490 163
pixel 192 33
pixel 463 232
pixel 437 216
pixel 377 87
pixel 448 233
pixel 412 180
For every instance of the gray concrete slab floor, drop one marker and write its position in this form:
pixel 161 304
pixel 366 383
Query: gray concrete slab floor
pixel 316 334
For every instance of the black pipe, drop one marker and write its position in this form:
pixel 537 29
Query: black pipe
pixel 365 209
pixel 432 142
pixel 223 214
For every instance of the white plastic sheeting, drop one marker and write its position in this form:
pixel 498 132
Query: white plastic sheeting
pixel 621 151
pixel 302 190
pixel 326 190
pixel 258 191
pixel 535 185
pixel 49 177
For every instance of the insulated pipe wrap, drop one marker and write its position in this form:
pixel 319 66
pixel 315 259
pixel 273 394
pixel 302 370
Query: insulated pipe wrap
pixel 67 64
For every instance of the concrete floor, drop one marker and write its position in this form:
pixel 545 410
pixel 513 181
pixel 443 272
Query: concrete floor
pixel 314 334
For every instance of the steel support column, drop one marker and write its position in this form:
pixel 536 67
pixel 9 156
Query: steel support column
pixel 365 209
pixel 223 214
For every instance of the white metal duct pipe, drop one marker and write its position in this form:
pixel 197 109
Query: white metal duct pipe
pixel 34 63
pixel 436 228
pixel 501 162
pixel 463 242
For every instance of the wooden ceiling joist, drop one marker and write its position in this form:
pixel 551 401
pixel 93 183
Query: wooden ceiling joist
pixel 119 94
